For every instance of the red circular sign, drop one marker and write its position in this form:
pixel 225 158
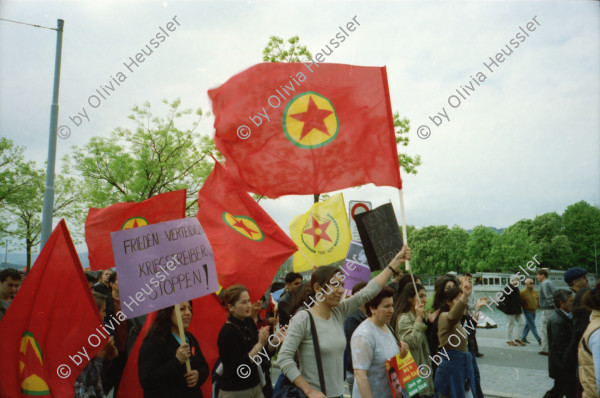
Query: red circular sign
pixel 358 206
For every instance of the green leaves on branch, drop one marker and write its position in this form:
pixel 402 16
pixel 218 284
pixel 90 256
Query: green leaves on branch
pixel 277 50
pixel 152 158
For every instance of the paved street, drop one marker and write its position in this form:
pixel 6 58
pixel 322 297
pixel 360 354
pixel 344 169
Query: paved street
pixel 506 371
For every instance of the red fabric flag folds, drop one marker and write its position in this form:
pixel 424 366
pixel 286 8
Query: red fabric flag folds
pixel 49 325
pixel 249 247
pixel 101 222
pixel 306 128
pixel 207 319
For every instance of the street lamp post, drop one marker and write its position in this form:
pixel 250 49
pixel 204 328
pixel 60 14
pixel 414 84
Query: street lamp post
pixel 49 190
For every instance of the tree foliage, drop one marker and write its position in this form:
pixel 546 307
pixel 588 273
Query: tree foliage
pixel 153 158
pixel 23 202
pixel 276 50
pixel 559 242
pixel 582 228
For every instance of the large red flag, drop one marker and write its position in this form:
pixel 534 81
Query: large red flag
pixel 207 320
pixel 101 222
pixel 52 326
pixel 306 128
pixel 249 247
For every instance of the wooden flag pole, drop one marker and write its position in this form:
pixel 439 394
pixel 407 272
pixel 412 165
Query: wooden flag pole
pixel 405 243
pixel 182 334
pixel 307 259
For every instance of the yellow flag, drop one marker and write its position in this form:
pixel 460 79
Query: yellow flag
pixel 322 234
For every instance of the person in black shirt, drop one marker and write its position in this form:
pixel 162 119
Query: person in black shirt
pixel 293 282
pixel 161 365
pixel 238 342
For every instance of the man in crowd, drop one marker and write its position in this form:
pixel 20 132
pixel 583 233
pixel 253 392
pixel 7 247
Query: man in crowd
pixel 350 325
pixel 530 299
pixel 103 286
pixel 577 280
pixel 511 306
pixel 560 333
pixel 293 281
pixel 547 290
pixel 10 279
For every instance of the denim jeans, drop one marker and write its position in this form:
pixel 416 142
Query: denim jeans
pixel 530 325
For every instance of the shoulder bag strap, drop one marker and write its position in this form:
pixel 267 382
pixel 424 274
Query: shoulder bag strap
pixel 394 334
pixel 315 337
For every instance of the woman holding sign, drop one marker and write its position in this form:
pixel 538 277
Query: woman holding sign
pixel 323 296
pixel 163 357
pixel 373 343
pixel 410 323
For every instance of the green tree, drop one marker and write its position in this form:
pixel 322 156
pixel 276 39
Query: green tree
pixel 16 174
pixel 456 243
pixel 514 247
pixel 582 227
pixel 276 51
pixel 479 248
pixel 548 230
pixel 156 157
pixel 24 208
pixel 429 250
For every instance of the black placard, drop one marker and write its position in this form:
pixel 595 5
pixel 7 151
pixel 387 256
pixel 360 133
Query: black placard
pixel 380 235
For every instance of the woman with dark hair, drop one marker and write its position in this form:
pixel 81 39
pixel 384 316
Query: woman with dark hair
pixel 322 296
pixel 239 341
pixel 373 343
pixel 161 364
pixel 455 378
pixel 409 321
pixel 89 381
pixel 589 346
pixel 442 285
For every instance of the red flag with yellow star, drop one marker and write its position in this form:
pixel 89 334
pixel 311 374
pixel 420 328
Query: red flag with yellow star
pixel 52 327
pixel 306 128
pixel 101 222
pixel 249 247
pixel 322 234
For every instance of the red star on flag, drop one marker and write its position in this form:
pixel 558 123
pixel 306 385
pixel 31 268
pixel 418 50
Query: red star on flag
pixel 312 118
pixel 318 231
pixel 242 225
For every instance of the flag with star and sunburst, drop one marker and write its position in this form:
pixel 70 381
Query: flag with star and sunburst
pixel 48 323
pixel 302 128
pixel 322 233
pixel 249 247
pixel 99 223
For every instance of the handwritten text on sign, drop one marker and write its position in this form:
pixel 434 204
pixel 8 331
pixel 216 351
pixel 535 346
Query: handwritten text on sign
pixel 160 265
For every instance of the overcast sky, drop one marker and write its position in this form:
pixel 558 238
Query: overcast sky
pixel 525 142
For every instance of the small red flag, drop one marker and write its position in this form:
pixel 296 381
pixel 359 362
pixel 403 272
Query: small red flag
pixel 249 247
pixel 101 222
pixel 208 318
pixel 52 326
pixel 302 128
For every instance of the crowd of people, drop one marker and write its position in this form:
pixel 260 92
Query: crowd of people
pixel 345 341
